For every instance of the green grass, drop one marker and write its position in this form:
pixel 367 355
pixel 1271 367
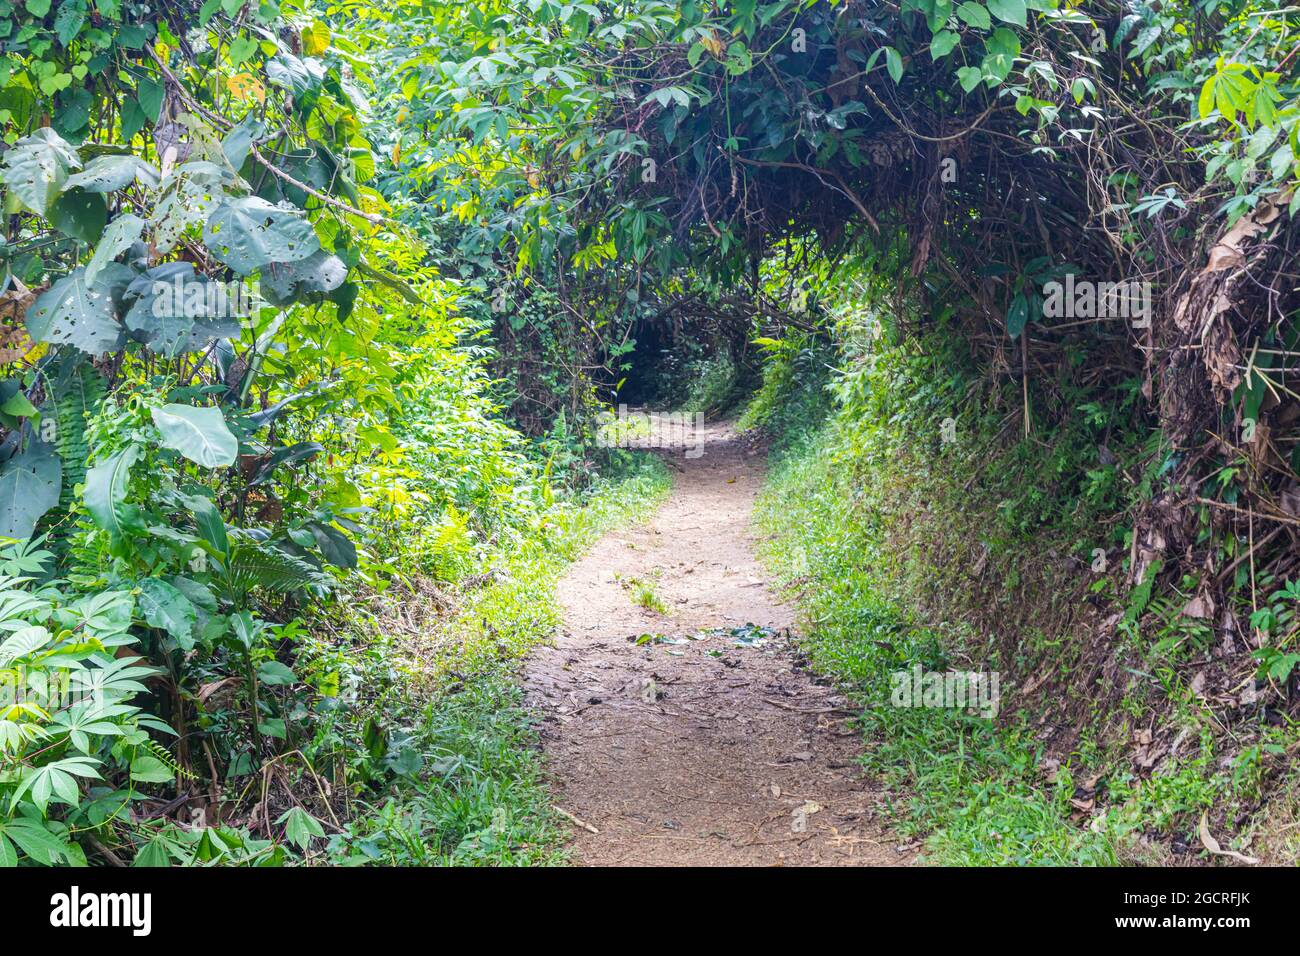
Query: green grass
pixel 517 609
pixel 969 788
pixel 876 536
pixel 469 788
pixel 643 593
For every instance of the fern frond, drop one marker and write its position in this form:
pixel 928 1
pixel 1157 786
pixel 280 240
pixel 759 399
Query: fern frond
pixel 270 569
pixel 77 390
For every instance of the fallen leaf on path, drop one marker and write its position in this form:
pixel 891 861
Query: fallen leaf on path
pixel 1210 843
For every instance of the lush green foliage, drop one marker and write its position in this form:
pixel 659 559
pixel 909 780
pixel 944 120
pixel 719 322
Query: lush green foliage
pixel 232 435
pixel 909 545
pixel 309 307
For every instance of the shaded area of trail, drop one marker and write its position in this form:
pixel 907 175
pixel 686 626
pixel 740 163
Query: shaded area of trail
pixel 681 734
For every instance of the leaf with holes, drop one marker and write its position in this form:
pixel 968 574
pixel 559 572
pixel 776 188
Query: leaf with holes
pixel 81 312
pixel 106 174
pixel 29 487
pixel 118 237
pixel 79 214
pixel 249 233
pixel 36 168
pixel 318 274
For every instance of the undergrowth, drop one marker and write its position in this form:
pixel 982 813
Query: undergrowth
pixel 455 739
pixel 910 541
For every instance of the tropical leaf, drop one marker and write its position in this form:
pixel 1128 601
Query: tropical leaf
pixel 29 487
pixel 166 608
pixel 249 233
pixel 106 488
pixel 23 643
pixel 318 274
pixel 198 433
pixel 80 312
pixel 117 239
pixel 79 214
pixel 36 168
pixel 106 174
pixel 272 570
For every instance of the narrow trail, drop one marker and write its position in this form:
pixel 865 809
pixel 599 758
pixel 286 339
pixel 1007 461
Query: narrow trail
pixel 708 745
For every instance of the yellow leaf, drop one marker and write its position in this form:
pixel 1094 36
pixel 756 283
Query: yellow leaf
pixel 244 85
pixel 397 153
pixel 316 39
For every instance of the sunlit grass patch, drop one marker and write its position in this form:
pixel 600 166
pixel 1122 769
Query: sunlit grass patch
pixel 468 788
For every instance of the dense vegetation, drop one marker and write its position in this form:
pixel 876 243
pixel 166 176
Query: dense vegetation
pixel 310 307
pixel 264 504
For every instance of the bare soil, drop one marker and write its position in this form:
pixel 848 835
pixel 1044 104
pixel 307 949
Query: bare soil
pixel 685 737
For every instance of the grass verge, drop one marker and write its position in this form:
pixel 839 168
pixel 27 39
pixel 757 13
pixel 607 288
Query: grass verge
pixel 457 750
pixel 961 781
pixel 919 527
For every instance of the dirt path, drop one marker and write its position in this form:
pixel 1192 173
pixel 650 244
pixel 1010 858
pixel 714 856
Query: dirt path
pixel 716 750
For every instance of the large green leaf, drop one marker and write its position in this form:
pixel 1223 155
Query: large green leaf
pixel 207 518
pixel 298 76
pixel 334 545
pixel 318 274
pixel 164 606
pixel 190 194
pixel 22 643
pixel 200 434
pixel 162 318
pixel 106 487
pixel 106 174
pixel 249 233
pixel 117 238
pixel 79 214
pixel 974 15
pixel 40 845
pixel 1011 11
pixel 36 168
pixel 238 143
pixel 81 312
pixel 29 487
